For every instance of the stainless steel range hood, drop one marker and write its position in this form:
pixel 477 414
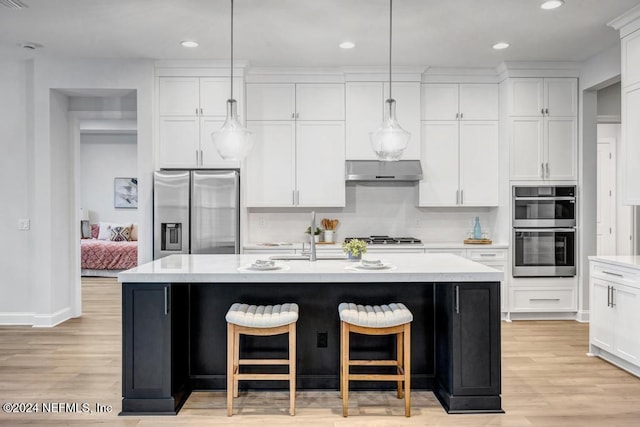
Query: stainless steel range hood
pixel 373 170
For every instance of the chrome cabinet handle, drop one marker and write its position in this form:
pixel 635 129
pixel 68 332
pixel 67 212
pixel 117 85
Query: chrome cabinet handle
pixel 488 255
pixel 166 300
pixel 461 115
pixel 197 160
pixel 542 111
pixel 457 299
pixel 612 274
pixel 201 113
pixel 196 111
pixel 201 158
pixel 462 197
pixel 547 167
pixel 608 296
pixel 457 116
pixel 544 299
pixel 546 111
pixel 293 115
pixel 542 170
pixel 613 303
pixel 457 197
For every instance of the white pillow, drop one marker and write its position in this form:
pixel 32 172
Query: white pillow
pixel 104 232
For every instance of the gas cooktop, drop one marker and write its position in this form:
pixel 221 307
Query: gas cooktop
pixel 387 240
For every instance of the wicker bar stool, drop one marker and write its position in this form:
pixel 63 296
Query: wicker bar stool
pixel 260 320
pixel 393 319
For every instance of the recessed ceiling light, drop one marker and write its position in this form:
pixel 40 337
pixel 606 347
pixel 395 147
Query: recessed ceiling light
pixel 501 45
pixel 552 4
pixel 347 45
pixel 189 43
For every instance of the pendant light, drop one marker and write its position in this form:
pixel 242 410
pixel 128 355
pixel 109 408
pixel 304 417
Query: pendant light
pixel 233 141
pixel 389 140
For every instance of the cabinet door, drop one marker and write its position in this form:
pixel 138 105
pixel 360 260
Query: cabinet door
pixel 407 96
pixel 525 97
pixel 560 148
pixel 147 344
pixel 209 157
pixel 626 302
pixel 476 339
pixel 561 97
pixel 631 59
pixel 214 93
pixel 526 148
pixel 271 101
pixel 479 102
pixel 601 316
pixel 631 145
pixel 439 101
pixel 178 96
pixel 439 186
pixel 270 167
pixel 479 163
pixel 320 163
pixel 364 105
pixel 320 101
pixel 178 142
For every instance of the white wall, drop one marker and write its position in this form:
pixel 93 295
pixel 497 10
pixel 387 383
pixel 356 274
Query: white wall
pixel 104 157
pixel 15 290
pixel 38 278
pixel 374 209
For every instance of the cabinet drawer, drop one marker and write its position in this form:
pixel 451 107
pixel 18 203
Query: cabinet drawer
pixel 459 252
pixel 613 273
pixel 486 255
pixel 543 300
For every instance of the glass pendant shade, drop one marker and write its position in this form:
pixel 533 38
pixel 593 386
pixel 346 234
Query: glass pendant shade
pixel 389 140
pixel 233 141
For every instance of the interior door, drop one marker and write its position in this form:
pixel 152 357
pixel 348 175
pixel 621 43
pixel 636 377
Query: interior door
pixel 605 206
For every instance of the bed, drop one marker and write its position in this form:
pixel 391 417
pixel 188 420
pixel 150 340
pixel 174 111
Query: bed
pixel 106 258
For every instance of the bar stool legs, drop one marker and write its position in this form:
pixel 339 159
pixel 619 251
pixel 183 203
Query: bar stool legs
pixel 260 321
pixel 397 313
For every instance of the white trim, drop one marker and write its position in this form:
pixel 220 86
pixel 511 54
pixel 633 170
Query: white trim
pixel 542 316
pixel 582 316
pixel 622 22
pixel 51 320
pixel 17 318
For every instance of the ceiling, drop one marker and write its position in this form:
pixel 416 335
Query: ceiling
pixel 306 33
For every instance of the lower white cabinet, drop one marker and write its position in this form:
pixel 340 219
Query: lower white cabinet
pixel 542 299
pixel 615 315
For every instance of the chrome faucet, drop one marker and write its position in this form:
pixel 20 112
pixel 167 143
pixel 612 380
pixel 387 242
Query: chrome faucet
pixel 312 241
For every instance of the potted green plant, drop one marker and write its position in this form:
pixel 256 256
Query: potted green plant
pixel 316 235
pixel 355 248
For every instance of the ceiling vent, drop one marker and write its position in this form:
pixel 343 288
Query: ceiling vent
pixel 13 4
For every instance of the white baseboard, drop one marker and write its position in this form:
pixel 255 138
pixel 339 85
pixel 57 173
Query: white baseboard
pixel 543 316
pixel 582 316
pixel 51 320
pixel 18 318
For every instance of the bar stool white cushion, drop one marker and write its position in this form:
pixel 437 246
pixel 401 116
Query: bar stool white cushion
pixel 375 316
pixel 262 316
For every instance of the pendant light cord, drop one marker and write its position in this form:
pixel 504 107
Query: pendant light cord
pixel 231 49
pixel 390 32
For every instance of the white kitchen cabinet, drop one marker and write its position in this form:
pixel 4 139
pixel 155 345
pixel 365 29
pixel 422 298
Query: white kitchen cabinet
pixel 365 103
pixel 498 259
pixel 615 314
pixel 543 128
pixel 190 109
pixel 460 161
pixel 468 101
pixel 296 164
pixel 299 160
pixel 290 101
pixel 631 144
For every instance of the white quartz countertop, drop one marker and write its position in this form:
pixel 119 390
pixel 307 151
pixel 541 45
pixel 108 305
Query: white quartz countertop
pixel 276 246
pixel 427 267
pixel 621 260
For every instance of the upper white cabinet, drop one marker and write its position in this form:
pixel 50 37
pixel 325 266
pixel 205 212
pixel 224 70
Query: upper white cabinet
pixel 189 110
pixel 460 163
pixel 630 112
pixel 460 145
pixel 460 102
pixel 299 148
pixel 288 101
pixel 542 128
pixel 365 111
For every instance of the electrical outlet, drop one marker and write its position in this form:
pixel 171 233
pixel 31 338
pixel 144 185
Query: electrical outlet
pixel 24 224
pixel 322 339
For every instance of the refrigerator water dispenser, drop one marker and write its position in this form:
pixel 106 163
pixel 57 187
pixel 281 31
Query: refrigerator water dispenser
pixel 171 236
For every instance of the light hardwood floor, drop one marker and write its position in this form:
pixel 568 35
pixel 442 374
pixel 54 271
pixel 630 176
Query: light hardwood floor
pixel 547 380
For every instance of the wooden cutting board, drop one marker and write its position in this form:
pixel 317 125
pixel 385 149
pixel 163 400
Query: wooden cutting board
pixel 477 241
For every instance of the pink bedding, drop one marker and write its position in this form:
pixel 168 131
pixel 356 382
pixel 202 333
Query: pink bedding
pixel 107 255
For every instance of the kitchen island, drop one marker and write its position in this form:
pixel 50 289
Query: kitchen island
pixel 174 331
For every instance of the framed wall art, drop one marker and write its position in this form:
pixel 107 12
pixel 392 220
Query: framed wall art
pixel 126 192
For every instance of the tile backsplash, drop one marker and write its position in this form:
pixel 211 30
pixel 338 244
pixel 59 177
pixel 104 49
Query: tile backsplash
pixel 388 209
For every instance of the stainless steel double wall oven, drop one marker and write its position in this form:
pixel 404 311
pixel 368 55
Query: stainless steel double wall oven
pixel 544 231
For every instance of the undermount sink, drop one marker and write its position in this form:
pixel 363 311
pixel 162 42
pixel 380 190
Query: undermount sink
pixel 305 257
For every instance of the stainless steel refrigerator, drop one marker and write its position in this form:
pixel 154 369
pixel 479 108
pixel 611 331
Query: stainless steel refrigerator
pixel 196 212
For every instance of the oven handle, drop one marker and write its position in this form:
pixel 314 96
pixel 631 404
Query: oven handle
pixel 546 230
pixel 569 198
